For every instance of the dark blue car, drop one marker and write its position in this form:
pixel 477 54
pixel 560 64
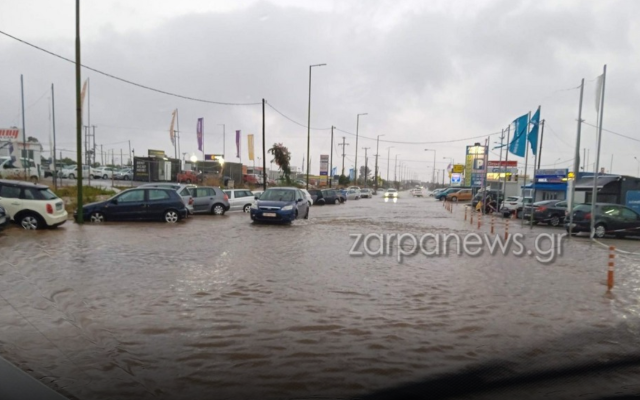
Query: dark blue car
pixel 138 204
pixel 281 204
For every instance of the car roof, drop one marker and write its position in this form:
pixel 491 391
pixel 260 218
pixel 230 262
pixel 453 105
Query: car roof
pixel 23 183
pixel 283 187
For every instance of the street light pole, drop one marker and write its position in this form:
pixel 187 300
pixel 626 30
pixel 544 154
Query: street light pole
pixel 388 161
pixel 433 179
pixel 365 165
pixel 375 184
pixel 395 173
pixel 309 123
pixel 355 168
pixel 637 172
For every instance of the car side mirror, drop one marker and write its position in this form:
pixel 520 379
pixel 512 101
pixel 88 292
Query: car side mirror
pixel 299 200
pixel 114 201
pixel 255 197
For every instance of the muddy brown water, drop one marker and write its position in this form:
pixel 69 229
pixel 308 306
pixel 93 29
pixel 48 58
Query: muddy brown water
pixel 217 307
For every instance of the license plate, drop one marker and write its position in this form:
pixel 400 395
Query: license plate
pixel 268 214
pixel 59 206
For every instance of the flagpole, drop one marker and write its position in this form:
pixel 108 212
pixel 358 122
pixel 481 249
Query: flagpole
pixel 178 133
pixel 535 162
pixel 506 163
pixel 526 161
pixel 203 139
pixel 576 162
pixel 594 196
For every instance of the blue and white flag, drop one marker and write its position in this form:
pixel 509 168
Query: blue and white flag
pixel 533 134
pixel 334 171
pixel 518 143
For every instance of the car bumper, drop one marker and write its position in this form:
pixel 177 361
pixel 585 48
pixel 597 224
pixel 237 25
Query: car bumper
pixel 4 220
pixel 56 220
pixel 278 215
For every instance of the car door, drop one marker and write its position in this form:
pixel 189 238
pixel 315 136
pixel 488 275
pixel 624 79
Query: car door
pixel 202 199
pixel 630 220
pixel 303 205
pixel 10 199
pixel 157 200
pixel 130 205
pixel 231 195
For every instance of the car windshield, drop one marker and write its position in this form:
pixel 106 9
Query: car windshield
pixel 47 194
pixel 278 195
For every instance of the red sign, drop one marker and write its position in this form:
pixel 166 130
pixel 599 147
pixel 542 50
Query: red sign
pixel 503 163
pixel 9 133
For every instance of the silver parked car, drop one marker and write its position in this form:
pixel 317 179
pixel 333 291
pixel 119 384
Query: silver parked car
pixel 240 199
pixel 182 189
pixel 125 174
pixel 209 199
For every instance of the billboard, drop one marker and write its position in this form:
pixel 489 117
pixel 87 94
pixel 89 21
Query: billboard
pixel 212 157
pixel 324 165
pixel 9 134
pixel 456 179
pixel 155 153
pixel 551 175
pixel 475 169
pixel 633 200
pixel 458 168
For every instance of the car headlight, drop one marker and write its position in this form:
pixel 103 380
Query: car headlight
pixel 287 208
pixel 254 205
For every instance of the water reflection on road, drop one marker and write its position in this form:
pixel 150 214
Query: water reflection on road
pixel 217 305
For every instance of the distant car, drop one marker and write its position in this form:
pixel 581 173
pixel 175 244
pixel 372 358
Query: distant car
pixel 514 204
pixel 493 194
pixel 4 218
pixel 551 212
pixel 316 195
pixel 610 219
pixel 353 194
pixel 417 192
pixel 460 195
pixel 443 193
pixel 240 199
pixel 330 196
pixel 209 199
pixel 188 177
pixel 125 174
pixel 366 193
pixel 137 204
pixel 103 173
pixel 435 192
pixel 182 189
pixel 391 193
pixel 252 179
pixel 342 194
pixel 72 172
pixel 281 204
pixel 31 205
pixel 308 196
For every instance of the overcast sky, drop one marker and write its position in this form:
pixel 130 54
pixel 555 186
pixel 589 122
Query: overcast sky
pixel 424 71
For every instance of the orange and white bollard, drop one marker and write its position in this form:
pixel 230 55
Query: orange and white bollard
pixel 479 220
pixel 612 256
pixel 471 218
pixel 506 229
pixel 492 223
pixel 465 213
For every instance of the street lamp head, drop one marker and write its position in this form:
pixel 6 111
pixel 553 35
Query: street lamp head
pixel 194 158
pixel 363 114
pixel 318 65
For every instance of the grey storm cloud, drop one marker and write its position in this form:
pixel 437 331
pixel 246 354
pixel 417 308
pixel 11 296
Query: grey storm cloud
pixel 425 74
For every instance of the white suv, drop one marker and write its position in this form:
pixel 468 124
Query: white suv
pixel 32 206
pixel 514 204
pixel 240 199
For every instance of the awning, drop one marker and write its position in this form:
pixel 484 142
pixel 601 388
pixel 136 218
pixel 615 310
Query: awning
pixel 586 183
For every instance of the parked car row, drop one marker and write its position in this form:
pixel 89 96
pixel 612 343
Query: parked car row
pixel 31 205
pixel 71 172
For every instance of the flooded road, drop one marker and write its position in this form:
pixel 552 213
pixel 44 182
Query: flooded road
pixel 218 307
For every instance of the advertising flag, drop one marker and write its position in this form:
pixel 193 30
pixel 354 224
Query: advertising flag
pixel 172 134
pixel 324 165
pixel 250 146
pixel 238 143
pixel 200 133
pixel 533 134
pixel 599 92
pixel 518 143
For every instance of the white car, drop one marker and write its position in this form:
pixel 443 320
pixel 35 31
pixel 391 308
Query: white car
pixel 308 196
pixel 72 172
pixel 30 205
pixel 9 169
pixel 391 193
pixel 417 192
pixel 514 204
pixel 366 193
pixel 103 173
pixel 240 199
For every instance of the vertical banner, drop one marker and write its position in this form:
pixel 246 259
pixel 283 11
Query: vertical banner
pixel 199 132
pixel 324 165
pixel 238 143
pixel 475 168
pixel 172 134
pixel 250 146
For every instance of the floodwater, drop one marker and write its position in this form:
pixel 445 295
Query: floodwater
pixel 217 307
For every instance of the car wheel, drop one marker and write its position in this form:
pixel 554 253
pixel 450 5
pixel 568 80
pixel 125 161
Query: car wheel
pixel 171 216
pixel 554 221
pixel 600 231
pixel 72 176
pixel 105 176
pixel 217 209
pixel 96 216
pixel 188 181
pixel 336 201
pixel 306 216
pixel 247 208
pixel 30 221
pixel 454 199
pixel 126 178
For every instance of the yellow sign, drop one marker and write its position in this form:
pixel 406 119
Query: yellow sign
pixel 250 142
pixel 458 168
pixel 571 176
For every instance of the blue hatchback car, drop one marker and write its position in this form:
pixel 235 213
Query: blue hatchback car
pixel 280 204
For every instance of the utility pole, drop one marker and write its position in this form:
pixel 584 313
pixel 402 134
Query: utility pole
pixel 388 162
pixel 343 144
pixel 80 217
pixel 101 155
pixel 330 172
pixel 264 148
pixel 395 173
pixel 365 165
pixel 375 187
pixel 130 159
pixel 355 168
pixel 53 111
pixel 94 143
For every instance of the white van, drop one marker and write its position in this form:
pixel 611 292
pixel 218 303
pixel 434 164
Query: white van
pixel 9 169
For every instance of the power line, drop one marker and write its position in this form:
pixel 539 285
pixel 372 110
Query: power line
pixel 127 81
pixel 615 133
pixel 294 121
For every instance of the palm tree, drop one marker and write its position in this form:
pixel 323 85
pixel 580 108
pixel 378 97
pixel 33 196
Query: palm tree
pixel 282 158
